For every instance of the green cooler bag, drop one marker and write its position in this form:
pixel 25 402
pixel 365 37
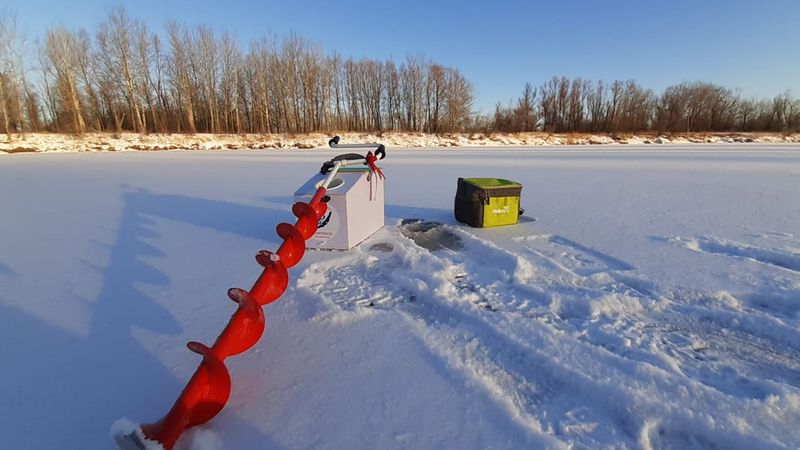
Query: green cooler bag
pixel 487 202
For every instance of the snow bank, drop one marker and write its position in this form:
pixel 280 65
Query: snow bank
pixel 106 142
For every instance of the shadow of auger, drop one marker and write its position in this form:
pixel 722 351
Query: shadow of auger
pixel 207 392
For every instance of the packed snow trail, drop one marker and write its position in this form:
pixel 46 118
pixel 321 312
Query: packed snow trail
pixel 523 325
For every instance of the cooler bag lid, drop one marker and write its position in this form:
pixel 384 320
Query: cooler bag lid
pixel 482 188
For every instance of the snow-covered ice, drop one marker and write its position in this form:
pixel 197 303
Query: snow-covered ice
pixel 648 299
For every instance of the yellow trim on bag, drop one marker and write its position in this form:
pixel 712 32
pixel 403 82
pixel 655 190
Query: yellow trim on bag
pixel 501 211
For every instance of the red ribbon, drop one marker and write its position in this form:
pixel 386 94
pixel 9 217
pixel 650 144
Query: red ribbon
pixel 371 163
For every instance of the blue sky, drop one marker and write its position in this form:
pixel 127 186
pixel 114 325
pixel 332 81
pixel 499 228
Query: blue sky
pixel 750 45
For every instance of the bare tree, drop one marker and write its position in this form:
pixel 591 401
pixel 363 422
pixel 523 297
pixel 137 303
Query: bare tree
pixel 412 89
pixel 159 84
pixel 373 82
pixel 337 84
pixel 180 46
pixel 116 36
pixel 745 113
pixel 207 69
pixel 260 60
pixel 459 95
pixel 392 95
pixel 147 61
pixel 5 86
pixel 352 93
pixel 12 71
pixel 575 105
pixel 785 111
pixel 87 65
pixel 597 106
pixel 229 86
pixel 547 104
pixel 63 48
pixel 434 97
pixel 108 82
pixel 525 112
pixel 791 114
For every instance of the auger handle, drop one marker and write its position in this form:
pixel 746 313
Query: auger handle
pixel 380 149
pixel 334 169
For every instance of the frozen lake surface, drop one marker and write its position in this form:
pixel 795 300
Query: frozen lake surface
pixel 649 298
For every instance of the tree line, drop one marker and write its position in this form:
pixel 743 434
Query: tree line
pixel 563 105
pixel 124 77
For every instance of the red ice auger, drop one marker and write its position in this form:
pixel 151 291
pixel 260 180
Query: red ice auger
pixel 208 390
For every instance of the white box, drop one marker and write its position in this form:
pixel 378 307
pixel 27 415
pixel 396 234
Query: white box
pixel 355 208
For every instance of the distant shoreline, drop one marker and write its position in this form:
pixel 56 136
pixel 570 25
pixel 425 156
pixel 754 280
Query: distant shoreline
pixel 109 142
